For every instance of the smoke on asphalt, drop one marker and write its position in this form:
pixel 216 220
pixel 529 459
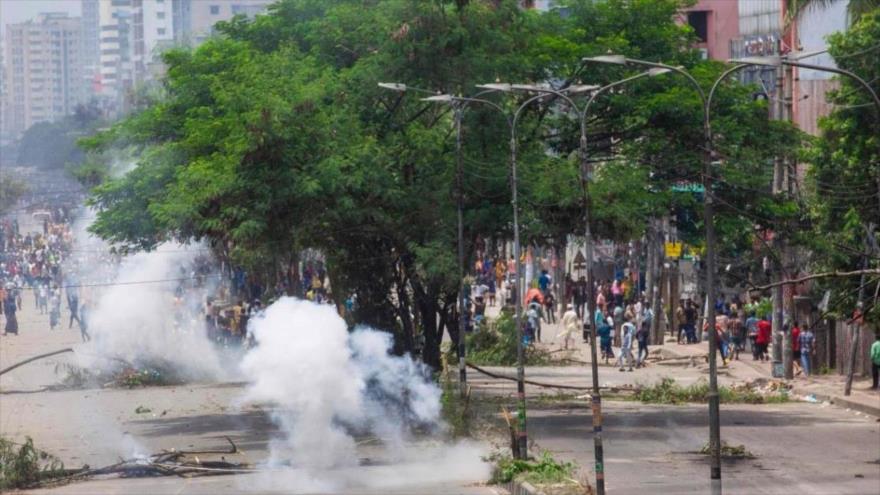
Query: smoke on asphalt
pixel 333 392
pixel 143 309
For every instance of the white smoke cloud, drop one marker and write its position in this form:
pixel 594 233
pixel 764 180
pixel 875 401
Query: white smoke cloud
pixel 136 318
pixel 328 385
pixel 131 312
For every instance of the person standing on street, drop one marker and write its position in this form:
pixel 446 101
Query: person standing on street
pixel 570 324
pixel 10 307
pixel 690 318
pixel 808 348
pixel 627 331
pixel 73 307
pixel 762 339
pixel 642 338
pixel 54 308
pixel 875 363
pixel 752 333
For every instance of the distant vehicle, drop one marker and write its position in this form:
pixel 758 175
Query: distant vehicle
pixel 41 215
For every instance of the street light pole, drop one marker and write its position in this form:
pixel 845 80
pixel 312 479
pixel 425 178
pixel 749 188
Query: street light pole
pixel 459 184
pixel 586 178
pixel 709 220
pixel 458 111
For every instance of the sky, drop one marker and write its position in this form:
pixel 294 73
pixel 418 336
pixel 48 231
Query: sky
pixel 15 11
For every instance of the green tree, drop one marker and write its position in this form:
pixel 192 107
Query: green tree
pixel 844 178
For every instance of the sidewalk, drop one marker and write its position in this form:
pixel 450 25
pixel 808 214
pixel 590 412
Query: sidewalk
pixel 818 388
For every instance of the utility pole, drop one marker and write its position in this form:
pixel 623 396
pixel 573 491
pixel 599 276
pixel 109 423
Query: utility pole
pixel 859 317
pixel 459 170
pixel 778 113
pixel 790 176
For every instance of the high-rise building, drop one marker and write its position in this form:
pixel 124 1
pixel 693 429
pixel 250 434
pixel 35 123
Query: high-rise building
pixel 91 27
pixel 195 19
pixel 44 79
pixel 131 31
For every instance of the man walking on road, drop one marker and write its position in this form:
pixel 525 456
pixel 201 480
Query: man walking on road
pixel 570 325
pixel 762 339
pixel 808 348
pixel 875 363
pixel 627 331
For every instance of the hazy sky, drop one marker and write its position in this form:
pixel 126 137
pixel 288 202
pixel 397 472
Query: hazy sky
pixel 14 11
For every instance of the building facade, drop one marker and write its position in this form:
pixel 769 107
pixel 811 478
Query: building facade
pixel 715 23
pixel 195 19
pixel 45 77
pixel 132 33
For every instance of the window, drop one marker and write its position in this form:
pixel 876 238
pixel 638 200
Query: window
pixel 160 15
pixel 215 9
pixel 160 31
pixel 699 21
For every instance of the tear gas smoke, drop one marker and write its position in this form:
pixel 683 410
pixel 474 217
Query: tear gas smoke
pixel 327 386
pixel 131 316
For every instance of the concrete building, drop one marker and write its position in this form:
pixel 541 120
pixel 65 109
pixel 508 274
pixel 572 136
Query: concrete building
pixel 131 31
pixel 715 23
pixel 91 27
pixel 194 20
pixel 760 34
pixel 44 71
pixel 810 86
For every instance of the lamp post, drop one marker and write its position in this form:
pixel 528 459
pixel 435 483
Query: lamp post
pixel 458 106
pixel 586 178
pixel 708 215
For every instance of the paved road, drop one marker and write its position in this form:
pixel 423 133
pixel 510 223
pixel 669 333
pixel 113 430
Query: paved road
pixel 98 426
pixel 799 448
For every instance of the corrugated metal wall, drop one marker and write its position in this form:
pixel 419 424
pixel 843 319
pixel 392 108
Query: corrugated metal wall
pixel 759 17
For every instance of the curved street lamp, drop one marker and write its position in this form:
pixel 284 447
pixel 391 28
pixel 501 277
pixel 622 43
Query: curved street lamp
pixel 458 109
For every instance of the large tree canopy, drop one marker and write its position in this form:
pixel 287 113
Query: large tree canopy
pixel 273 137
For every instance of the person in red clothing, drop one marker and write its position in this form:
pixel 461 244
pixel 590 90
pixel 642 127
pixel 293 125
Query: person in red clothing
pixel 763 338
pixel 796 345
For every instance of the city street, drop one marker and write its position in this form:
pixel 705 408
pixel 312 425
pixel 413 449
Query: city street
pixel 347 247
pixel 97 427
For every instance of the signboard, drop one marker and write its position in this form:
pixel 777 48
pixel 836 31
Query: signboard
pixel 673 249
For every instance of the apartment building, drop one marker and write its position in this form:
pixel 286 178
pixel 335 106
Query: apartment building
pixel 194 20
pixel 131 31
pixel 44 71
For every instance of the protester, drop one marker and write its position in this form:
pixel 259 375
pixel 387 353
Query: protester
pixel 604 333
pixel 570 325
pixel 808 349
pixel 627 332
pixel 9 308
pixel 549 308
pixel 752 333
pixel 642 338
pixel 762 339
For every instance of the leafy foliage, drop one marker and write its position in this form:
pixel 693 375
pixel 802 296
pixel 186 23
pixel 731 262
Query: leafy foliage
pixel 668 391
pixel 23 465
pixel 496 345
pixel 273 138
pixel 844 179
pixel 544 470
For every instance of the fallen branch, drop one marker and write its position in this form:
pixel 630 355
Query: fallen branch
pixel 540 384
pixel 855 273
pixel 41 356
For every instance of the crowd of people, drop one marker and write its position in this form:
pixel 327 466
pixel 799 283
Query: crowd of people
pixel 36 263
pixel 623 316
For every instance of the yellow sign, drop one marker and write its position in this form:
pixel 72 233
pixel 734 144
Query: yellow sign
pixel 673 249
